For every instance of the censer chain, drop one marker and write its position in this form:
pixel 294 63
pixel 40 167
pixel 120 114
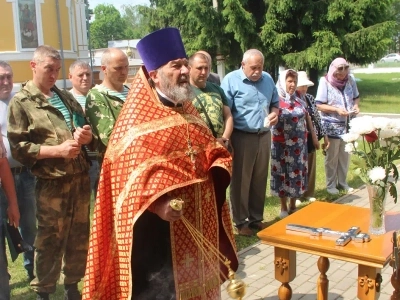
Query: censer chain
pixel 236 288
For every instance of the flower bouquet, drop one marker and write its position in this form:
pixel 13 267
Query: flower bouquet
pixel 375 161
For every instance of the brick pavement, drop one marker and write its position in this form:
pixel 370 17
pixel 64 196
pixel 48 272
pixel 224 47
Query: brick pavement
pixel 256 266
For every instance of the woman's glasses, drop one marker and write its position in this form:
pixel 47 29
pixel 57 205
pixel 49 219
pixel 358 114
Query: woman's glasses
pixel 342 68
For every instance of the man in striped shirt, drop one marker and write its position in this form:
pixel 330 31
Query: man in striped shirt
pixel 47 132
pixel 80 75
pixel 104 102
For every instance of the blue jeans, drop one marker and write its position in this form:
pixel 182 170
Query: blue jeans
pixel 25 187
pixel 4 282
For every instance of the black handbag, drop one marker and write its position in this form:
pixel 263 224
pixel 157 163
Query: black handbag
pixel 16 244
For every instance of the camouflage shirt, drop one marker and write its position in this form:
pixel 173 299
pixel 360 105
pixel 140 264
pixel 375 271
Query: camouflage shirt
pixel 33 122
pixel 102 110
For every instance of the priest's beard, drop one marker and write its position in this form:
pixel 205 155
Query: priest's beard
pixel 178 92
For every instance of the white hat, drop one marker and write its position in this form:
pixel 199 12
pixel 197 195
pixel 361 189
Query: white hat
pixel 303 80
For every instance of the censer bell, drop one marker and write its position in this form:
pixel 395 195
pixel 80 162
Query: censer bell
pixel 236 288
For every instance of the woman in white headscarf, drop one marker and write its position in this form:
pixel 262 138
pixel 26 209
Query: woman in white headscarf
pixel 289 145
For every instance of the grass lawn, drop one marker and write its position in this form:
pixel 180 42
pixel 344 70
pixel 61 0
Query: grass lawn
pixel 378 93
pixel 386 65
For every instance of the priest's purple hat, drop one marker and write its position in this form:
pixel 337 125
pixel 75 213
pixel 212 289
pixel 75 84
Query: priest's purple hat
pixel 161 46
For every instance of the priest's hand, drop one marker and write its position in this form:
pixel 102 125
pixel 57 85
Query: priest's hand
pixel 162 207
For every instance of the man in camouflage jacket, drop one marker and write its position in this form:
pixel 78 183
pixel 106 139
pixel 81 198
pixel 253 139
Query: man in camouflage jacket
pixel 104 102
pixel 47 131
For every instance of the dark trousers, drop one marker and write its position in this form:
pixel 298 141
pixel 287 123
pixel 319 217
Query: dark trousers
pixel 152 278
pixel 249 176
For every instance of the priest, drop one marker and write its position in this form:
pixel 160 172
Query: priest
pixel 161 153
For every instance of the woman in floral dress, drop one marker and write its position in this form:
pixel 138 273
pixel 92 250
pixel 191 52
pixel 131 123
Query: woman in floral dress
pixel 289 145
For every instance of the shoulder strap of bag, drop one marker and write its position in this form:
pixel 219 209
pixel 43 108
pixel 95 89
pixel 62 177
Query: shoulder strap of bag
pixel 207 117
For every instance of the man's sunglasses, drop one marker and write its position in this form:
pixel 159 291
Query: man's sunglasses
pixel 342 68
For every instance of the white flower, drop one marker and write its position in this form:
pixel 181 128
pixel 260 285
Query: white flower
pixel 350 147
pixel 350 137
pixel 388 133
pixel 361 125
pixel 377 173
pixel 394 124
pixel 381 122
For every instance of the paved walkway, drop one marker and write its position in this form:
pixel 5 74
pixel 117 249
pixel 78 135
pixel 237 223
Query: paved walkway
pixel 256 265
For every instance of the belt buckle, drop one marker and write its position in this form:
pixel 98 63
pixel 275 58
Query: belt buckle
pixel 17 170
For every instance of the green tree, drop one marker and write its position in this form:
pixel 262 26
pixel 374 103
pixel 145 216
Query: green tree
pixel 309 34
pixel 395 47
pixel 108 25
pixel 137 23
pixel 202 27
pixel 305 34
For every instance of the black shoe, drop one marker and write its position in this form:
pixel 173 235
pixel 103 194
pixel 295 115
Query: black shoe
pixel 71 292
pixel 42 296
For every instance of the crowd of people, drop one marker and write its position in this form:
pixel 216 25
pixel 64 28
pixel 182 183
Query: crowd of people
pixel 158 155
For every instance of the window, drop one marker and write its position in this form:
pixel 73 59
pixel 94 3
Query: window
pixel 27 24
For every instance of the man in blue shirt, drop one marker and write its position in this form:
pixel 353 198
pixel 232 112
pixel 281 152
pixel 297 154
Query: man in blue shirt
pixel 254 102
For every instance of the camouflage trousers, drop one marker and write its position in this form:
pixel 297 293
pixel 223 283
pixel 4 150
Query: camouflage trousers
pixel 61 243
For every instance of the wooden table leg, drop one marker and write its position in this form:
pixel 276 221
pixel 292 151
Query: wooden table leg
pixel 323 282
pixel 395 280
pixel 285 271
pixel 369 283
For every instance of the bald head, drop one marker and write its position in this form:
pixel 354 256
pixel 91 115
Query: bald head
pixel 110 54
pixel 115 65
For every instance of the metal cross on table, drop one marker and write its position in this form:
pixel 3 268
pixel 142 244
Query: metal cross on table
pixel 344 237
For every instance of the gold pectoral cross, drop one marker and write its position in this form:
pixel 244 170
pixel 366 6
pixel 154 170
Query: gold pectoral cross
pixel 192 154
